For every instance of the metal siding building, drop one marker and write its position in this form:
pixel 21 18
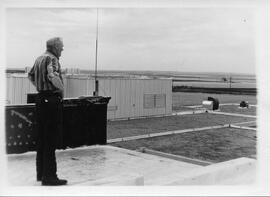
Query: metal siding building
pixel 130 98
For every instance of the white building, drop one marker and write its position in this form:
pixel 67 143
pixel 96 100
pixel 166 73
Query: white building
pixel 130 98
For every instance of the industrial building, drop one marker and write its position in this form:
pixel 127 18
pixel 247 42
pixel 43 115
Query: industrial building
pixel 130 98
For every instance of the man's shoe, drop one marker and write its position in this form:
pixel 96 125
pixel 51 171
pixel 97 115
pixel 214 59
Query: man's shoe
pixel 53 182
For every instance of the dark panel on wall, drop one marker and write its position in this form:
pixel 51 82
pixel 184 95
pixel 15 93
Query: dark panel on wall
pixel 20 128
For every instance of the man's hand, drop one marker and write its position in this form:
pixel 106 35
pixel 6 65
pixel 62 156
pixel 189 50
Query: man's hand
pixel 56 81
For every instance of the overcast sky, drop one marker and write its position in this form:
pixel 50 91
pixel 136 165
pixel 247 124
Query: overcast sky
pixel 166 39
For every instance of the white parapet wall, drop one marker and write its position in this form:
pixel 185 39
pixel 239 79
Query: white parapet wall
pixel 130 179
pixel 236 171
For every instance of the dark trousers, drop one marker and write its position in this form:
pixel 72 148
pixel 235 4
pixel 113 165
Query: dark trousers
pixel 49 110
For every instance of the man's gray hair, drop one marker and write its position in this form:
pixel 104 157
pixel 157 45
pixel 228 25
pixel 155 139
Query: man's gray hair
pixel 54 41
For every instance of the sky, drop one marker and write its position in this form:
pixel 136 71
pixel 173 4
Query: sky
pixel 161 39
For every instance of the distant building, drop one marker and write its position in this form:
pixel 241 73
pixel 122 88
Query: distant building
pixel 15 70
pixel 72 71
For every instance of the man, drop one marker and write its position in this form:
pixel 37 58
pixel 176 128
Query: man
pixel 45 75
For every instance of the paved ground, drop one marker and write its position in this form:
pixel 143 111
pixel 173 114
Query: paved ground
pixel 100 165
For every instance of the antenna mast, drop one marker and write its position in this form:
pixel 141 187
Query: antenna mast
pixel 95 93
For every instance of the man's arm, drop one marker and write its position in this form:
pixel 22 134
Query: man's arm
pixel 31 76
pixel 53 76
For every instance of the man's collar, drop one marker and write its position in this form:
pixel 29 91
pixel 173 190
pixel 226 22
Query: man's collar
pixel 47 51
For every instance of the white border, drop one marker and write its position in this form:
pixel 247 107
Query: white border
pixel 261 188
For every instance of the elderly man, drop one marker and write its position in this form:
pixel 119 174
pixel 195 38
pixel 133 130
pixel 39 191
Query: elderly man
pixel 45 75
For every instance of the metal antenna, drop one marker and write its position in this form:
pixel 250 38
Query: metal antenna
pixel 96 81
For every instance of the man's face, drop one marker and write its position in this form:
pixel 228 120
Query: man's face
pixel 60 48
